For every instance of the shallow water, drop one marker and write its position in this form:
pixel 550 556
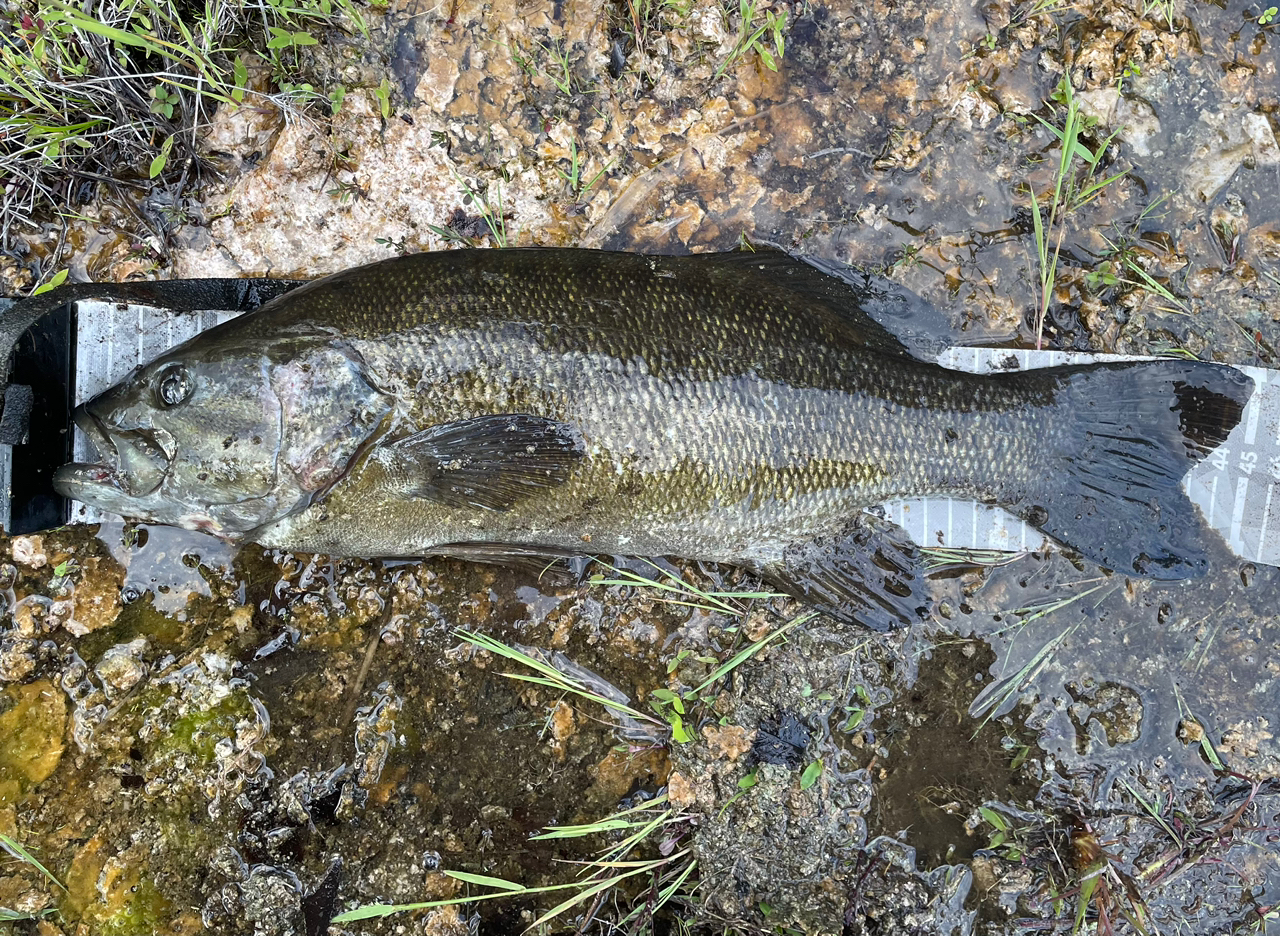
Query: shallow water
pixel 281 711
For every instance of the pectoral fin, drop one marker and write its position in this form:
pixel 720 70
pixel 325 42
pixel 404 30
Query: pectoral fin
pixel 868 573
pixel 489 461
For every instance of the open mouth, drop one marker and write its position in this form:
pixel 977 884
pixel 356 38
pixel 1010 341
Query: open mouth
pixel 133 462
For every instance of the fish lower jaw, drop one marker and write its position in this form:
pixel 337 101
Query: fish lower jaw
pixel 81 482
pixel 101 487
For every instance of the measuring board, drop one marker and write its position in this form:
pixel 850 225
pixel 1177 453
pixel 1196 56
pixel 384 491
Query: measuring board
pixel 1237 486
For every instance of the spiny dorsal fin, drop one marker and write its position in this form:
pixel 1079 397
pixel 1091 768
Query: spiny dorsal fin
pixel 768 271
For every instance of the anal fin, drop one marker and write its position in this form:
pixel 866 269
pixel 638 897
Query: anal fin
pixel 561 565
pixel 868 573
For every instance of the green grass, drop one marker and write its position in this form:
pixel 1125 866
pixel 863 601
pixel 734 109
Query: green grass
pixel 680 708
pixel 765 38
pixel 651 822
pixel 492 213
pixel 1120 267
pixel 1009 685
pixel 746 653
pixel 19 851
pixel 576 180
pixel 550 59
pixel 84 95
pixel 1162 8
pixel 677 591
pixel 643 828
pixel 1075 184
pixel 1008 839
pixel 1209 752
pixel 558 678
pixel 645 18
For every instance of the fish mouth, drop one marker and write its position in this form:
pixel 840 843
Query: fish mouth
pixel 132 463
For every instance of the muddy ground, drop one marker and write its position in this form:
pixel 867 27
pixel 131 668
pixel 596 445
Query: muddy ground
pixel 194 738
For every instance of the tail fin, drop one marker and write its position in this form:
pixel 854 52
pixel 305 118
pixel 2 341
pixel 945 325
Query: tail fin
pixel 1112 480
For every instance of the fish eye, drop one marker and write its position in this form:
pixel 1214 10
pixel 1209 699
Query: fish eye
pixel 173 386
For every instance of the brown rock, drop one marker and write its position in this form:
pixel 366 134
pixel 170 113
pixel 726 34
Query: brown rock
pixel 620 769
pixel 439 886
pixel 445 922
pixel 681 791
pixel 29 551
pixel 729 742
pixel 97 596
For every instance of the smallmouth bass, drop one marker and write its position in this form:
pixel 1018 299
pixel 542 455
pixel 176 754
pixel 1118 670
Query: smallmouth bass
pixel 738 408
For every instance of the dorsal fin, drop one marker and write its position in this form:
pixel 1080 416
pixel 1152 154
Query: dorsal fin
pixel 770 272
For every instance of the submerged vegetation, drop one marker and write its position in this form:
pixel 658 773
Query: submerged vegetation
pixel 648 861
pixel 19 851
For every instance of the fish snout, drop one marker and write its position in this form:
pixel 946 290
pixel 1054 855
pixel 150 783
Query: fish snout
pixel 135 460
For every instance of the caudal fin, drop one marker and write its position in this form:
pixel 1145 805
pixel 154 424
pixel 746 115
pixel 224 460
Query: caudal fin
pixel 1112 479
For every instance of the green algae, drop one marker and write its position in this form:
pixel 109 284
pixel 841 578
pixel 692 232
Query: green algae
pixel 31 737
pixel 136 619
pixel 198 733
pixel 145 911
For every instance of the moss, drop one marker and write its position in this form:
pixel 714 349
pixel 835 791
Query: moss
pixel 197 733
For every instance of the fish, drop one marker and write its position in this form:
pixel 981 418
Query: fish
pixel 740 408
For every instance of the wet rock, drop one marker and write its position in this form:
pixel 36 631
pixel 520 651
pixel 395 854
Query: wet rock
pixel 1228 139
pixel 618 773
pixel 728 742
pixel 563 725
pixel 1133 119
pixel 28 551
pixel 20 897
pixel 895 898
pixel 240 135
pixel 447 921
pixel 376 734
pixel 1245 738
pixel 32 616
pixel 17 658
pixel 97 596
pixel 267 902
pixel 1108 714
pixel 384 196
pixel 121 667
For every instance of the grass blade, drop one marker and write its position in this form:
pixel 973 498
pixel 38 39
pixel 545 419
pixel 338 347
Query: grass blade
pixel 485 881
pixel 551 676
pixel 19 851
pixel 743 655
